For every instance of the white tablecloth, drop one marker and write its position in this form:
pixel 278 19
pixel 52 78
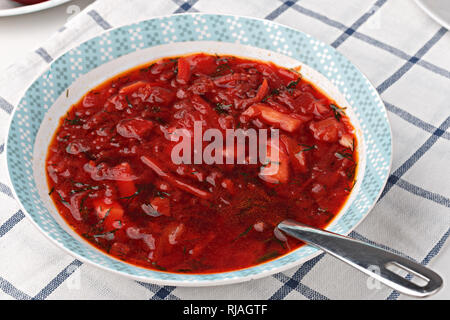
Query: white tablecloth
pixel 403 52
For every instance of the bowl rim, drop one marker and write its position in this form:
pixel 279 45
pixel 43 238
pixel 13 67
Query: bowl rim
pixel 196 283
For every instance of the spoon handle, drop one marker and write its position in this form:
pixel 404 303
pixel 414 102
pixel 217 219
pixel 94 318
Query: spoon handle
pixel 369 259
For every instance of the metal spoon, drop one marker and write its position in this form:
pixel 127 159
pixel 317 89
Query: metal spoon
pixel 373 261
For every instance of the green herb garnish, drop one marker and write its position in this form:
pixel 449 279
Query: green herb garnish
pixel 292 85
pixel 276 240
pixel 338 112
pixel 344 155
pixel 350 188
pixel 147 69
pixel 89 155
pixel 273 92
pixel 74 121
pixel 132 196
pixel 221 69
pixel 244 233
pixel 162 194
pixel 160 120
pixel 102 235
pixel 88 188
pixel 65 138
pixel 83 208
pixel 222 108
pixel 61 198
pixel 157 266
pixel 268 256
pixel 351 172
pixel 130 105
pixel 307 148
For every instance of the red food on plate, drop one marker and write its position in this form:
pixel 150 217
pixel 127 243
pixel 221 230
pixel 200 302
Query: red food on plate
pixel 112 176
pixel 27 2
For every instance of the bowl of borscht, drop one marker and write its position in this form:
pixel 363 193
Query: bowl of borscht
pixel 168 151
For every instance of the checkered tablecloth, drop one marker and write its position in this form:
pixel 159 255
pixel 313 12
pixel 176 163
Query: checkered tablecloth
pixel 404 53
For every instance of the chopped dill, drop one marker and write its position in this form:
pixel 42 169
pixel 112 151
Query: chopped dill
pixel 222 108
pixel 338 112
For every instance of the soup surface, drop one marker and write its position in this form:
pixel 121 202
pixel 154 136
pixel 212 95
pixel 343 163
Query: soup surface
pixel 112 176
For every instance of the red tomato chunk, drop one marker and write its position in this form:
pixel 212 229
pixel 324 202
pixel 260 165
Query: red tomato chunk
pixel 111 176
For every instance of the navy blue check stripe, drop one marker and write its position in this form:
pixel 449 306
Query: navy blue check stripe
pixel 58 280
pixel 291 284
pixel 44 55
pixel 6 106
pixel 433 252
pixel 347 33
pixel 294 282
pixel 412 61
pixel 165 293
pixel 278 11
pixel 6 190
pixel 405 115
pixel 397 174
pixel 160 293
pixel 374 42
pixel 11 222
pixel 185 6
pixel 418 191
pixel 99 19
pixel 12 291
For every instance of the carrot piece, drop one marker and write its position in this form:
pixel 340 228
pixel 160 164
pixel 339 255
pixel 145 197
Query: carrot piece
pixel 271 116
pixel 184 71
pixel 126 186
pixel 132 87
pixel 162 205
pixel 262 91
pixel 109 214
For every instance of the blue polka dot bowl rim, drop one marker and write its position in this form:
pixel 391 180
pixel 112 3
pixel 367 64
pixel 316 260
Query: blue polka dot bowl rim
pixel 70 76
